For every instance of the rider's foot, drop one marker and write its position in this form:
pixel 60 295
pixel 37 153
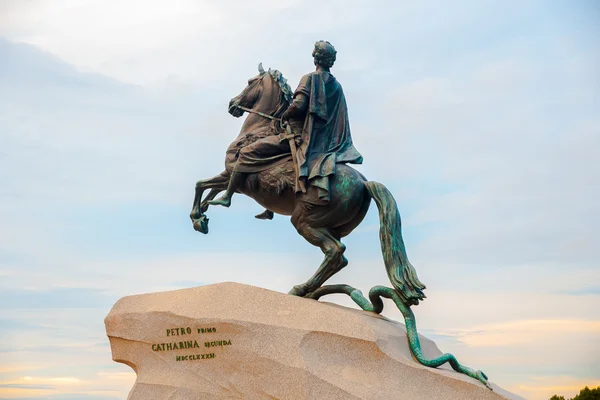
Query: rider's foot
pixel 267 214
pixel 224 201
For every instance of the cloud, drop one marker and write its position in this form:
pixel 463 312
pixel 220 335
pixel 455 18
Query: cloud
pixel 99 386
pixel 161 42
pixel 585 291
pixel 512 174
pixel 543 388
pixel 481 120
pixel 22 386
pixel 520 332
pixel 563 354
pixel 66 396
pixel 56 298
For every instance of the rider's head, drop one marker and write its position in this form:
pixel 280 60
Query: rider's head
pixel 324 54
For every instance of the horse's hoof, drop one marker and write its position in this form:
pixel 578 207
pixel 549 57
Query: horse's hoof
pixel 201 224
pixel 299 290
pixel 343 262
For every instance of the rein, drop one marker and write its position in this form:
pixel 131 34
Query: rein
pixel 256 112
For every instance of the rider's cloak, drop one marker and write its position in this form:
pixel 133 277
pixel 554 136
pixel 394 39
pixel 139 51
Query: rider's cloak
pixel 326 138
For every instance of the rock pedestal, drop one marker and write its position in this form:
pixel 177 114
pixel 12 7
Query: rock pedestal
pixel 233 341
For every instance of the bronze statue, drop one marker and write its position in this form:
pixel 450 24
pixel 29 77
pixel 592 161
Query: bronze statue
pixel 292 157
pixel 319 112
pixel 259 164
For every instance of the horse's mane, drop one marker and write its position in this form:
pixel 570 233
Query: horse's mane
pixel 286 92
pixel 279 179
pixel 283 85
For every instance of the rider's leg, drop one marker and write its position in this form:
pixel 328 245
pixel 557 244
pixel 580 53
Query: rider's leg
pixel 235 180
pixel 251 159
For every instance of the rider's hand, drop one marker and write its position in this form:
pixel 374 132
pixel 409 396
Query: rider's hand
pixel 297 140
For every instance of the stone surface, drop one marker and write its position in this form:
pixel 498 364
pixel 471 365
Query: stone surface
pixel 233 341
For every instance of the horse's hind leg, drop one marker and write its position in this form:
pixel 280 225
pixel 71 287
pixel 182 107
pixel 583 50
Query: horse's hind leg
pixel 334 257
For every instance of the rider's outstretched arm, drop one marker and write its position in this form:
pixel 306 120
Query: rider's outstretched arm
pixel 298 107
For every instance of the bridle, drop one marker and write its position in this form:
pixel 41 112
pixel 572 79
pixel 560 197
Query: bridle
pixel 289 136
pixel 262 114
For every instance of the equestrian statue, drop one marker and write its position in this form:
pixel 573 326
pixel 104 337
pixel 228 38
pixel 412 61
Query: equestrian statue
pixel 292 156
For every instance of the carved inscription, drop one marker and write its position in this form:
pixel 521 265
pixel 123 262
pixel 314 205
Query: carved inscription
pixel 189 342
pixel 175 346
pixel 192 357
pixel 217 343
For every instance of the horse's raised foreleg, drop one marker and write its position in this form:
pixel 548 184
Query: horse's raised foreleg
pixel 216 183
pixel 334 260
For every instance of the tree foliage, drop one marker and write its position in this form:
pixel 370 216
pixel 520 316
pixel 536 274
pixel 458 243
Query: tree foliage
pixel 585 394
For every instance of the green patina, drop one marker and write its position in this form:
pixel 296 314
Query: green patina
pixel 376 306
pixel 301 169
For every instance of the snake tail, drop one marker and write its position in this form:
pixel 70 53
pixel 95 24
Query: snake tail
pixel 376 305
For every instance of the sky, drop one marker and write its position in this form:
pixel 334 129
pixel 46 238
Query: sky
pixel 481 117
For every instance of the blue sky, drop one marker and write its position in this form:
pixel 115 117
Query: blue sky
pixel 482 118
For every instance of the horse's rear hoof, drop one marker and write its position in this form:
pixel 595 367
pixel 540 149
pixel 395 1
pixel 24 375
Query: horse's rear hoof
pixel 299 290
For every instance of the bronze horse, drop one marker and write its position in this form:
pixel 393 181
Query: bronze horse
pixel 266 97
pixel 323 226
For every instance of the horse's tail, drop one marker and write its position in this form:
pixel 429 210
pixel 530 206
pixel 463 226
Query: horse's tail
pixel 400 271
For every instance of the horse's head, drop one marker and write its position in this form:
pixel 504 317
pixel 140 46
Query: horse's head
pixel 267 92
